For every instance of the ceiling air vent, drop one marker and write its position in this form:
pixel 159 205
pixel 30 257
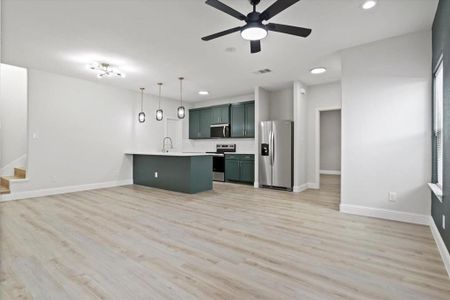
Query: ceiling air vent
pixel 263 71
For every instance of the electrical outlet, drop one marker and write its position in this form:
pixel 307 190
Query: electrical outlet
pixel 392 196
pixel 443 222
pixel 156 174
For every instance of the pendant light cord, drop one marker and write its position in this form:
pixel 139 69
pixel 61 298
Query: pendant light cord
pixel 181 90
pixel 142 99
pixel 159 100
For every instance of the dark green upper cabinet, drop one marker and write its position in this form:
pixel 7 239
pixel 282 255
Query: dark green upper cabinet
pixel 220 114
pixel 205 122
pixel 238 120
pixel 250 119
pixel 243 120
pixel 240 116
pixel 194 124
pixel 199 123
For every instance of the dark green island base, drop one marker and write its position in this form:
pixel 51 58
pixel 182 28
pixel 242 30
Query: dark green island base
pixel 184 173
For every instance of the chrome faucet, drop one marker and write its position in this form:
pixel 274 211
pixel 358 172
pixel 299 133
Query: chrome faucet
pixel 164 144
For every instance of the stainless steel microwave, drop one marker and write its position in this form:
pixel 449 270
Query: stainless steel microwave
pixel 220 130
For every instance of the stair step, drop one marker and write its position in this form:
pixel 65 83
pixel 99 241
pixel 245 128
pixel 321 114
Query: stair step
pixel 4 182
pixel 20 172
pixel 4 190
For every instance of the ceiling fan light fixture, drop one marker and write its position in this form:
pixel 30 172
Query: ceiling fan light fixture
pixel 253 32
pixel 318 70
pixel 369 4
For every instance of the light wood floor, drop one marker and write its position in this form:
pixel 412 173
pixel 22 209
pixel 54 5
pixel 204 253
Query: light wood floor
pixel 235 242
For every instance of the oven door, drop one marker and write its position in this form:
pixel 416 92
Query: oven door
pixel 219 168
pixel 220 131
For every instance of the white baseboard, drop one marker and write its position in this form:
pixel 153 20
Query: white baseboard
pixel 313 185
pixel 63 190
pixel 440 244
pixel 330 172
pixel 385 214
pixel 300 188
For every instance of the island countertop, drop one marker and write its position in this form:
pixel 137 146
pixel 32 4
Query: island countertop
pixel 155 153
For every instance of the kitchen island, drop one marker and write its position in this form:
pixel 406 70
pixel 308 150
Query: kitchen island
pixel 175 171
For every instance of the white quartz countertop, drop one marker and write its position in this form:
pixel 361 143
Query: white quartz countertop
pixel 155 153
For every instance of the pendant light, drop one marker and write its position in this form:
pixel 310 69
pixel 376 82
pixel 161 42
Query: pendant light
pixel 141 115
pixel 181 111
pixel 159 112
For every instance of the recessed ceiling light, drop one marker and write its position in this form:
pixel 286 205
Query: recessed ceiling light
pixel 319 70
pixel 369 4
pixel 203 93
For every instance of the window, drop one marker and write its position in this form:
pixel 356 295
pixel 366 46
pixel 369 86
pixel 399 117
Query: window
pixel 438 84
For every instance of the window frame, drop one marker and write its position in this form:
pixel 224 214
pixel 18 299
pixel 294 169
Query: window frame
pixel 438 118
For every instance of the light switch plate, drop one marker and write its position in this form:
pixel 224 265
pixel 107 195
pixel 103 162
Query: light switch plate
pixel 392 196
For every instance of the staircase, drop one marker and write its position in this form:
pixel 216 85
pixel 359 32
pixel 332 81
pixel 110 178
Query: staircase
pixel 19 174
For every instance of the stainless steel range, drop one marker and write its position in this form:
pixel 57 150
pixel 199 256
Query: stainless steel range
pixel 219 160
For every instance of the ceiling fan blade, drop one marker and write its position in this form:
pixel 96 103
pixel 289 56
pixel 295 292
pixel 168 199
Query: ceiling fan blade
pixel 276 8
pixel 294 30
pixel 226 9
pixel 255 46
pixel 222 33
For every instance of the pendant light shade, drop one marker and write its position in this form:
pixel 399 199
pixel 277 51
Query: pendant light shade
pixel 159 111
pixel 141 115
pixel 181 110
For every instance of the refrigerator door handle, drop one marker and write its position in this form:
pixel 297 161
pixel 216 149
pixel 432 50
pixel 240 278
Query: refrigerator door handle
pixel 271 147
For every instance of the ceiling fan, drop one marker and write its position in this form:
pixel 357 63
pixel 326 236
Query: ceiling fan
pixel 255 30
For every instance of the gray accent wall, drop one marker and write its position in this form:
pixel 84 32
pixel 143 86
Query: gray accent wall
pixel 330 140
pixel 441 45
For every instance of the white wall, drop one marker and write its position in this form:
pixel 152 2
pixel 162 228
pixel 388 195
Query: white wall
pixel 13 117
pixel 281 104
pixel 78 132
pixel 301 94
pixel 386 124
pixel 262 113
pixel 320 97
pixel 330 140
pixel 243 145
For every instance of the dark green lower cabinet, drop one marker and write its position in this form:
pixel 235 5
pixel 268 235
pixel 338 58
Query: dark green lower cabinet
pixel 232 170
pixel 247 171
pixel 240 168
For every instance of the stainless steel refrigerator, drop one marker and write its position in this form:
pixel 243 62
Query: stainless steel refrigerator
pixel 276 154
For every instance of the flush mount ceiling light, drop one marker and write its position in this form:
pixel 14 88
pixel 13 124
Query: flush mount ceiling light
pixel 203 93
pixel 105 70
pixel 141 115
pixel 318 70
pixel 369 4
pixel 159 111
pixel 181 111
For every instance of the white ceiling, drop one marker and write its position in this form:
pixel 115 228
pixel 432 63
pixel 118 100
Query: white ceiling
pixel 159 40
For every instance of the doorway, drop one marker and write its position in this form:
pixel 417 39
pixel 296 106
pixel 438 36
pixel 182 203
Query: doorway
pixel 328 147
